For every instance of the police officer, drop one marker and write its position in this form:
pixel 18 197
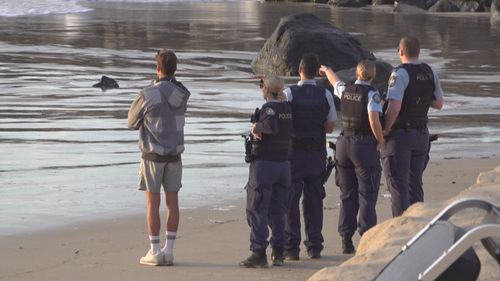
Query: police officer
pixel 358 159
pixel 314 115
pixel 413 88
pixel 268 187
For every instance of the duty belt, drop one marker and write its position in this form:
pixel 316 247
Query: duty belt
pixel 410 125
pixel 355 132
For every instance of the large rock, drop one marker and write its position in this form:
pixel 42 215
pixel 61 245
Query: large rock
pixel 444 6
pixel 466 5
pixel 303 33
pixel 495 12
pixel 469 6
pixel 349 3
pixel 384 241
pixel 485 4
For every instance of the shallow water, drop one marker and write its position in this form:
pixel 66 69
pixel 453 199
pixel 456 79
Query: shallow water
pixel 67 154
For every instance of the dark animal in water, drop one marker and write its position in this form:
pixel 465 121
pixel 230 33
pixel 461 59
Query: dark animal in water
pixel 106 83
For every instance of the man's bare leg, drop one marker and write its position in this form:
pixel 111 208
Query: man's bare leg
pixel 153 220
pixel 172 223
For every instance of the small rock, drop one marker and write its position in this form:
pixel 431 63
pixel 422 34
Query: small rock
pixel 106 83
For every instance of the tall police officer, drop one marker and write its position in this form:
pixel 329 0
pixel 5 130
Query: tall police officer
pixel 358 160
pixel 268 187
pixel 314 115
pixel 413 88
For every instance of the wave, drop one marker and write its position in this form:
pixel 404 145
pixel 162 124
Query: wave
pixel 16 8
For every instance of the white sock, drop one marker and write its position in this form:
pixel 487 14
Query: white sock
pixel 155 244
pixel 169 243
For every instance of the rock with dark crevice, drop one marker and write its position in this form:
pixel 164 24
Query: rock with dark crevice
pixel 303 33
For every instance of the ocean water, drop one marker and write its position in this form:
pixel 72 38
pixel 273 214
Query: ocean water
pixel 66 152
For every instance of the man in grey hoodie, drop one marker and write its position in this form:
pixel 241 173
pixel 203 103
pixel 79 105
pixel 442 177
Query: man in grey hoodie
pixel 158 113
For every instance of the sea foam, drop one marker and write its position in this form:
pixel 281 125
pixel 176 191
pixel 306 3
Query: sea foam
pixel 15 8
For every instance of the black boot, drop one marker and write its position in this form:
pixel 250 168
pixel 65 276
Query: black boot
pixel 291 255
pixel 256 259
pixel 314 253
pixel 277 256
pixel 347 246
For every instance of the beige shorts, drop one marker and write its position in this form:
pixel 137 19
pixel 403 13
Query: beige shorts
pixel 152 175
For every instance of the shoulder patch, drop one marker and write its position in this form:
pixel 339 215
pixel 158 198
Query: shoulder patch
pixel 392 79
pixel 376 98
pixel 270 111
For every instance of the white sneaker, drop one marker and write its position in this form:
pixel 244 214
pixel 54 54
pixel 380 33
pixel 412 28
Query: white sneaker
pixel 150 259
pixel 168 259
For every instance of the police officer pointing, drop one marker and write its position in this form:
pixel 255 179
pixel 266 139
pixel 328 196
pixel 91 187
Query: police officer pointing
pixel 314 115
pixel 268 187
pixel 358 160
pixel 413 88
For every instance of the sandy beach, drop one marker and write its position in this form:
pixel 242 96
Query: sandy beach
pixel 211 241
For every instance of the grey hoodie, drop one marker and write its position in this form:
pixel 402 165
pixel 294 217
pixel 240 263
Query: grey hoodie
pixel 158 113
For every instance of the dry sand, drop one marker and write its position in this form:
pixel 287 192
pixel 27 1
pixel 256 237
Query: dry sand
pixel 211 242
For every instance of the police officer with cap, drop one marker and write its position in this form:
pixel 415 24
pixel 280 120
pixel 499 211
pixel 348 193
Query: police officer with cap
pixel 358 159
pixel 314 115
pixel 414 87
pixel 269 181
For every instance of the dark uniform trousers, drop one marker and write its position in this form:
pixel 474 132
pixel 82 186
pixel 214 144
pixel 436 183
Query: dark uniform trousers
pixel 358 176
pixel 268 193
pixel 307 166
pixel 404 158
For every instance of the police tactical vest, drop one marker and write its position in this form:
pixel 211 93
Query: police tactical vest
pixel 310 109
pixel 354 103
pixel 418 96
pixel 276 146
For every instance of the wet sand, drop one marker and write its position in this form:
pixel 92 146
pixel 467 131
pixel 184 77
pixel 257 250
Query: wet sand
pixel 212 240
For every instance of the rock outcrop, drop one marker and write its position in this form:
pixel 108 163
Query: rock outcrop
pixel 382 2
pixel 349 3
pixel 381 243
pixel 299 34
pixel 411 6
pixel 495 13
